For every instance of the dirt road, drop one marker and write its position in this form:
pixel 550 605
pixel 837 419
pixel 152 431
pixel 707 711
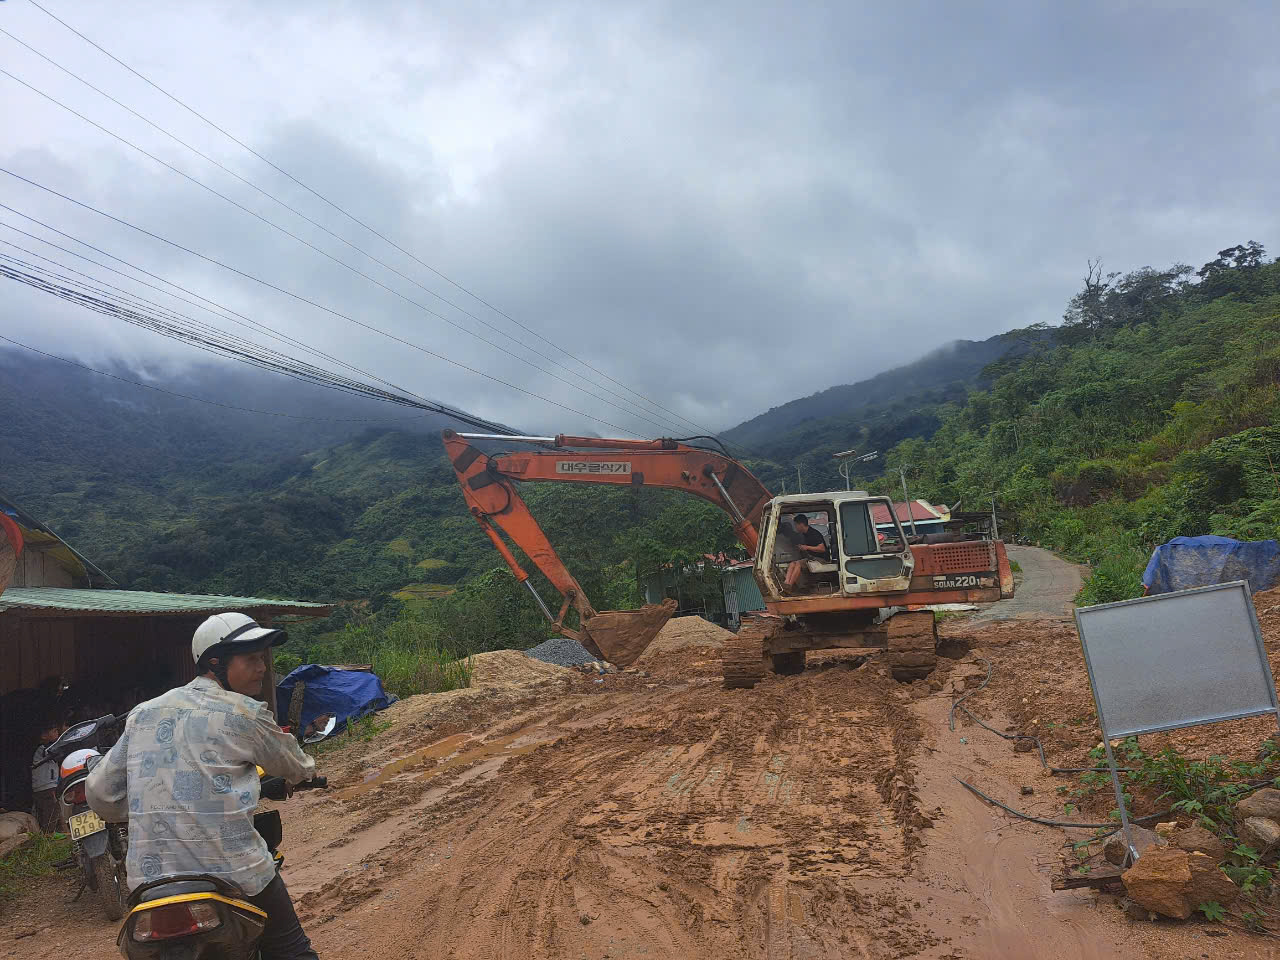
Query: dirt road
pixel 1047 587
pixel 659 816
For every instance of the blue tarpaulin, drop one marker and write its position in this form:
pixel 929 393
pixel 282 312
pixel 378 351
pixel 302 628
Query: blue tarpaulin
pixel 1186 562
pixel 347 694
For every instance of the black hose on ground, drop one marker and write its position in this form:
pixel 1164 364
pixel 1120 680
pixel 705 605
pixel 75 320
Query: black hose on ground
pixel 1016 736
pixel 1058 823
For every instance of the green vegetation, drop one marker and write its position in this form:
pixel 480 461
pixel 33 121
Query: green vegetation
pixel 1146 415
pixel 361 731
pixel 34 860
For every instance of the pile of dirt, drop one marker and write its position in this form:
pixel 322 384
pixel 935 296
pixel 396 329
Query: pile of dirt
pixel 511 668
pixel 682 632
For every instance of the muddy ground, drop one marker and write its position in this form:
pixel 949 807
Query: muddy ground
pixel 543 814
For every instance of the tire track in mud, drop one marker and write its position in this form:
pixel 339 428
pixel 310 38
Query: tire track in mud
pixel 683 821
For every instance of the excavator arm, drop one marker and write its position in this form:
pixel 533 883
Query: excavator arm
pixel 489 487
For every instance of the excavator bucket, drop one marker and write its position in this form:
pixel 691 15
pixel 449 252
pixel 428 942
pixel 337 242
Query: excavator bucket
pixel 622 635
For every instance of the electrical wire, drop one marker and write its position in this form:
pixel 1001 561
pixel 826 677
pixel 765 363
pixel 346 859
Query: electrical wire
pixel 355 219
pixel 324 253
pixel 216 403
pixel 301 299
pixel 204 156
pixel 200 302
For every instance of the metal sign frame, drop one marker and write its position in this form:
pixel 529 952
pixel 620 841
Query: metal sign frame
pixel 1151 643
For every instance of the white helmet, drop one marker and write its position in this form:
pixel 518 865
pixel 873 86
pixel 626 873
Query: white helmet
pixel 232 633
pixel 75 761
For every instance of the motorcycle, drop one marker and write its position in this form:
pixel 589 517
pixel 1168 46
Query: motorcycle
pixel 202 916
pixel 98 847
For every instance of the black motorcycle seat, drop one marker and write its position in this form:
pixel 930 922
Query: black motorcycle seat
pixel 178 888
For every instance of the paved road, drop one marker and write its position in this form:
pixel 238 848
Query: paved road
pixel 1047 587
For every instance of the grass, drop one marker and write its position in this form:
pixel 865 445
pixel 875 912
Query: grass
pixel 1015 566
pixel 34 860
pixel 410 660
pixel 417 595
pixel 400 547
pixel 360 731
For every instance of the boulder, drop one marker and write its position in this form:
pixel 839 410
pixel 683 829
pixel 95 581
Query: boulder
pixel 1174 883
pixel 1261 803
pixel 1195 839
pixel 1114 849
pixel 11 844
pixel 14 822
pixel 1166 829
pixel 1260 833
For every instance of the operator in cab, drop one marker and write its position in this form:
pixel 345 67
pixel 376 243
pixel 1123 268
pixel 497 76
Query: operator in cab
pixel 184 775
pixel 809 542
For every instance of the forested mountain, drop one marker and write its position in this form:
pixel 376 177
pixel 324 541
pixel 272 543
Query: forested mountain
pixel 1147 413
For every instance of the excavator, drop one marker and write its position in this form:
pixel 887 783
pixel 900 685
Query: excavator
pixel 841 602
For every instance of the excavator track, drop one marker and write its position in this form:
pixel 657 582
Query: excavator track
pixel 743 656
pixel 913 646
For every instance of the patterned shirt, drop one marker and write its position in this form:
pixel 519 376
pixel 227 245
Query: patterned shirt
pixel 183 775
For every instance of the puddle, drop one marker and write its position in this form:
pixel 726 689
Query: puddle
pixel 450 754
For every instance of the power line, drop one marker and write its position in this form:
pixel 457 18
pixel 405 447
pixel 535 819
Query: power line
pixel 325 253
pixel 210 306
pixel 301 299
pixel 204 156
pixel 216 403
pixel 28 274
pixel 357 220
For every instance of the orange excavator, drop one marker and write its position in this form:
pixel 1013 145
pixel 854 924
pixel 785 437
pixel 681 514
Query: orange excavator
pixel 841 599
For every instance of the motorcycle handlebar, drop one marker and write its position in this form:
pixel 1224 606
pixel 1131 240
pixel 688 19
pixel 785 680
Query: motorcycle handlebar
pixel 277 788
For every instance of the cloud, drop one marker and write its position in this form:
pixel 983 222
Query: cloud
pixel 721 206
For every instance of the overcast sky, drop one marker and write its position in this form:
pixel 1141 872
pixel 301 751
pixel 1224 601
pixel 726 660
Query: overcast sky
pixel 723 206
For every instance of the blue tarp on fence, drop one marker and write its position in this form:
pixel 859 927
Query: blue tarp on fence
pixel 1186 562
pixel 347 694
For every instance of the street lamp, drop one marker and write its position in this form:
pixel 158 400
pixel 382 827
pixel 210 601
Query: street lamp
pixel 911 513
pixel 849 457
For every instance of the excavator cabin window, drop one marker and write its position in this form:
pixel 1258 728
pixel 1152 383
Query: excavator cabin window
pixel 819 577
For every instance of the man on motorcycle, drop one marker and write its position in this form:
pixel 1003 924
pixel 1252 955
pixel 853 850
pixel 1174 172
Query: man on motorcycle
pixel 184 776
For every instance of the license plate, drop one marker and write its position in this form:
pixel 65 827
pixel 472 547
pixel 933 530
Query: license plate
pixel 85 825
pixel 958 581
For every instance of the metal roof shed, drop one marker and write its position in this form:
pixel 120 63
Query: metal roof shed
pixel 114 646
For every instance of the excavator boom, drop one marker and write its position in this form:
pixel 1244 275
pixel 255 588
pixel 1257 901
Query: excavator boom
pixel 488 485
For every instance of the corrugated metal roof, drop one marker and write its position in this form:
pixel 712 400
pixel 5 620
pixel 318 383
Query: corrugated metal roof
pixel 923 511
pixel 140 601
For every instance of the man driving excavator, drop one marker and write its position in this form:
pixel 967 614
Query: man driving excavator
pixel 809 541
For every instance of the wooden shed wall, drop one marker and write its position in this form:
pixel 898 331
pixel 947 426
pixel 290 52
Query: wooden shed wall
pixel 89 648
pixel 37 569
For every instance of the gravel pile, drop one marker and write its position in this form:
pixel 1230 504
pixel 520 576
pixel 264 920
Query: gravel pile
pixel 561 651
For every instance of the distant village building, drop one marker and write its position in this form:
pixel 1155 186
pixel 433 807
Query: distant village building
pixel 63 619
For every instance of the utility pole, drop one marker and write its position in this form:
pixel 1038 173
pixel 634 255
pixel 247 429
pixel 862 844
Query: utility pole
pixel 995 526
pixel 799 481
pixel 911 514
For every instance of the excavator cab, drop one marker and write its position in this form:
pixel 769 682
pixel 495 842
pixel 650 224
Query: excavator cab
pixel 867 546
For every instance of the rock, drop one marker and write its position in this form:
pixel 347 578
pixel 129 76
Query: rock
pixel 1174 883
pixel 1197 839
pixel 1136 911
pixel 1166 829
pixel 1261 833
pixel 11 844
pixel 1023 746
pixel 14 822
pixel 1114 849
pixel 1027 791
pixel 1208 882
pixel 1262 803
